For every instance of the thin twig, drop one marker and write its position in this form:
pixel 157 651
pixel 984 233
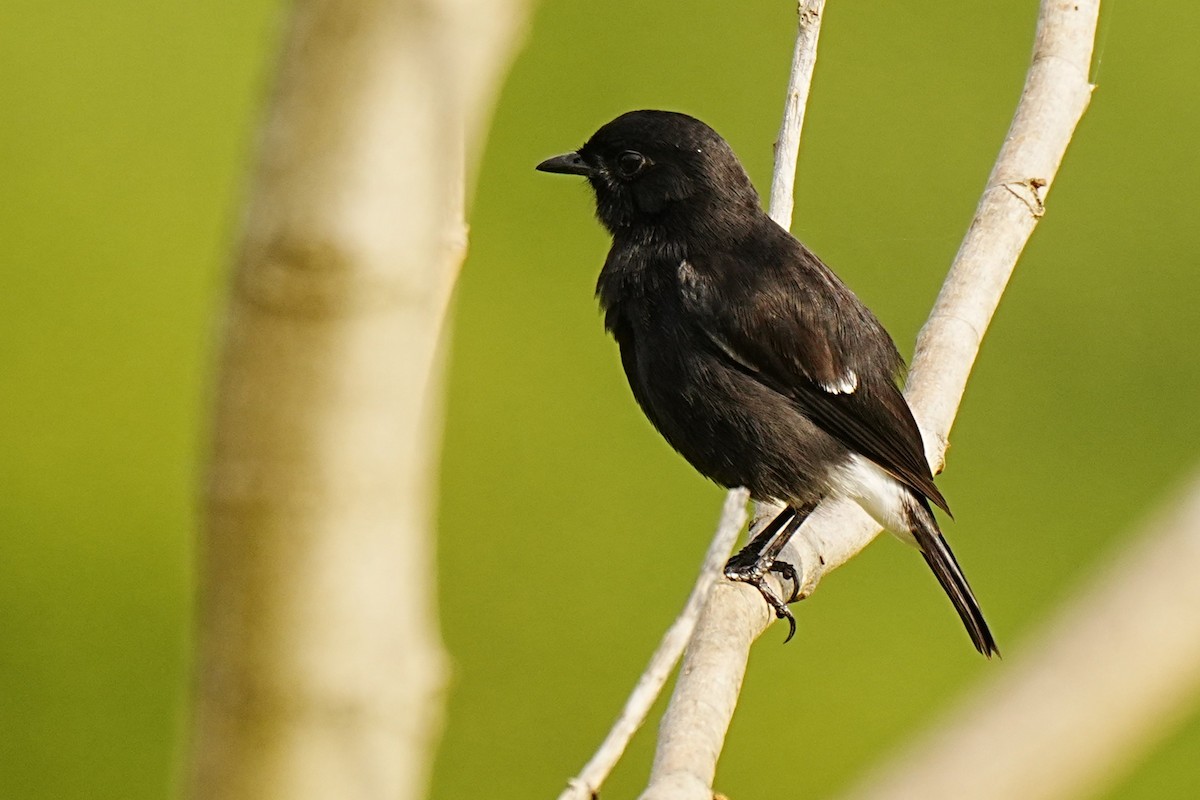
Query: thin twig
pixel 782 199
pixel 787 146
pixel 586 784
pixel 1056 94
pixel 1047 729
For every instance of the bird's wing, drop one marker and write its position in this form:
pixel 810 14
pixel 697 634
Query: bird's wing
pixel 794 327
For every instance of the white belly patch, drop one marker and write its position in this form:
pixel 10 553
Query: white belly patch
pixel 880 495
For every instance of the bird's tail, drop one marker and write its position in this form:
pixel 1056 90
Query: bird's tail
pixel 945 567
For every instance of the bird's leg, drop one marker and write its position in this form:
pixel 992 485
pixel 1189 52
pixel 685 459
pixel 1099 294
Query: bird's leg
pixel 752 563
pixel 750 554
pixel 776 547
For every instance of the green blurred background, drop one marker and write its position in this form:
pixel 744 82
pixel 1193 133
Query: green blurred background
pixel 569 533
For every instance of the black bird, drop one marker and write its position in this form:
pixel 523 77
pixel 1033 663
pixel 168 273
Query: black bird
pixel 748 354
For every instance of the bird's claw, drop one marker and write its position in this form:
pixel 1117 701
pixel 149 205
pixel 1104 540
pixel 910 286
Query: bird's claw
pixel 788 573
pixel 783 612
pixel 781 609
pixel 753 572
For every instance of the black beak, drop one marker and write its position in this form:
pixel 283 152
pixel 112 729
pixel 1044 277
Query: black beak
pixel 566 164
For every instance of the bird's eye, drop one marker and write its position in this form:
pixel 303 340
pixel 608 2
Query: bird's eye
pixel 630 163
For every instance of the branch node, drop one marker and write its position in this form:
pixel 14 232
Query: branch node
pixel 1030 192
pixel 579 788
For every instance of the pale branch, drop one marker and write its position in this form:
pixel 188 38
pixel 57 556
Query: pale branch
pixel 1056 94
pixel 649 686
pixel 587 783
pixel 319 667
pixel 782 199
pixel 1110 675
pixel 787 146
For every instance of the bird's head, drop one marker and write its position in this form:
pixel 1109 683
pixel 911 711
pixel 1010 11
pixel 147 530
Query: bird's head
pixel 659 168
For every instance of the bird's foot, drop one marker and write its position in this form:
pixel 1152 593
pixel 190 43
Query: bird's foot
pixel 788 573
pixel 750 568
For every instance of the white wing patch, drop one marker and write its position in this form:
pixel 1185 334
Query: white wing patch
pixel 691 284
pixel 846 383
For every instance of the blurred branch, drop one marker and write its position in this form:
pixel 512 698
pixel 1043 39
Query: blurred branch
pixel 1115 669
pixel 1055 96
pixel 319 668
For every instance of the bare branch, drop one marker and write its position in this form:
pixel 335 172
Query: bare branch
pixel 650 685
pixel 1047 729
pixel 319 665
pixel 787 146
pixel 1055 96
